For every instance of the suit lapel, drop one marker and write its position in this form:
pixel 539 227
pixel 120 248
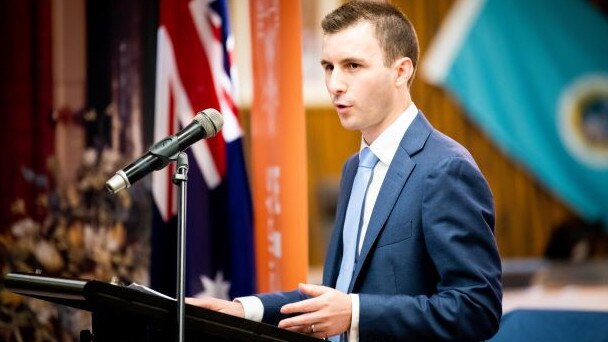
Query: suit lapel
pixel 396 177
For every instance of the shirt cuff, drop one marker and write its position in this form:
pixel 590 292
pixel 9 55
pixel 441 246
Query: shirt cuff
pixel 353 333
pixel 253 307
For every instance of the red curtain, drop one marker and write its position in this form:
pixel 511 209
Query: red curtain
pixel 26 103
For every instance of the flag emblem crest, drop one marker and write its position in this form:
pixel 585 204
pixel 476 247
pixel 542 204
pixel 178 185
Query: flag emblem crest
pixel 583 120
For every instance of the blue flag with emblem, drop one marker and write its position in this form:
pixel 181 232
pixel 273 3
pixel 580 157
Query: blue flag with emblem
pixel 534 75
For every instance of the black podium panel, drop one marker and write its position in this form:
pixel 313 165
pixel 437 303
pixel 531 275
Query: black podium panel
pixel 124 314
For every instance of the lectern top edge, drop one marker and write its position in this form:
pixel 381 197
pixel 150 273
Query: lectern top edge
pixel 35 285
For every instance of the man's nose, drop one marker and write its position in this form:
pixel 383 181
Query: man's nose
pixel 335 83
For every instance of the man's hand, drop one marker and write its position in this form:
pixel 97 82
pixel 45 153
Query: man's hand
pixel 328 313
pixel 219 305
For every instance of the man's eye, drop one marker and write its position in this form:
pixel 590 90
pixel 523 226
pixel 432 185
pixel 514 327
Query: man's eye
pixel 328 67
pixel 353 66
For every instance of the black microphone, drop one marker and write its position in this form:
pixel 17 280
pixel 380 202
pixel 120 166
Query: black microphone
pixel 205 125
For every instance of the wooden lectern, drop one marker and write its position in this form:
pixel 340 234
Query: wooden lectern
pixel 124 314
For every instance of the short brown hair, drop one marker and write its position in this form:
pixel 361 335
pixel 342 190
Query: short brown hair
pixel 395 33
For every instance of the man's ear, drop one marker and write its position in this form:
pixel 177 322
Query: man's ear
pixel 405 70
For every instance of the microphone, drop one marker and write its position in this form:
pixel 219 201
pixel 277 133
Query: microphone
pixel 206 124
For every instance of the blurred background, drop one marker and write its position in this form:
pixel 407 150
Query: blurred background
pixel 88 86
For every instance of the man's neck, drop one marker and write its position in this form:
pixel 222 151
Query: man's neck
pixel 369 137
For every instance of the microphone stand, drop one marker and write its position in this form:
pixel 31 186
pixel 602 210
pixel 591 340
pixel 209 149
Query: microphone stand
pixel 180 178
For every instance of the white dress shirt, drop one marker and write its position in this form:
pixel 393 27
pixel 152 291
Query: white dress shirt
pixel 384 147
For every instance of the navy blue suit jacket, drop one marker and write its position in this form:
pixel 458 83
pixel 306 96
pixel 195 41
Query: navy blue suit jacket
pixel 429 267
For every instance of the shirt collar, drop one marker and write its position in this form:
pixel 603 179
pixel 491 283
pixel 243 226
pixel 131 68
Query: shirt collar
pixel 385 146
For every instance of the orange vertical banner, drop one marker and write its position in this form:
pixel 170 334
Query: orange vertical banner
pixel 278 143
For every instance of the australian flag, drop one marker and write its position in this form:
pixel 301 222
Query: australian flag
pixel 195 71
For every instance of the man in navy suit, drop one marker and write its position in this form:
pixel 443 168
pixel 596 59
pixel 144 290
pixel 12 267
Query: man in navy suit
pixel 426 265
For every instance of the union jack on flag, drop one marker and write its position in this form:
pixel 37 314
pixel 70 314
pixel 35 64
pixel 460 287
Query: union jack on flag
pixel 195 71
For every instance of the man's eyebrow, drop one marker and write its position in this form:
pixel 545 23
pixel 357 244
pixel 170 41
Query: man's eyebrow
pixel 351 60
pixel 347 60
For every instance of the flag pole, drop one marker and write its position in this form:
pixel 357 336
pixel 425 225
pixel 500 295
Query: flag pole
pixel 180 178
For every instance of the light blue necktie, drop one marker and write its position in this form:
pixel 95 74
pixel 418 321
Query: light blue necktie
pixel 354 217
pixel 353 222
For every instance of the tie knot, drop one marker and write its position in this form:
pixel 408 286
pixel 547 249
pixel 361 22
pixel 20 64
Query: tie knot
pixel 367 158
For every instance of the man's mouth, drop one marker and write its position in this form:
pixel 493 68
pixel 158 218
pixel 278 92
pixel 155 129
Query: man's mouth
pixel 341 105
pixel 342 109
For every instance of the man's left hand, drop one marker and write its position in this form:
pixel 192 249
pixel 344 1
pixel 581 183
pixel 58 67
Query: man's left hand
pixel 327 313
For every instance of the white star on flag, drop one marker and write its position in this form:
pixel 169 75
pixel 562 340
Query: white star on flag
pixel 216 288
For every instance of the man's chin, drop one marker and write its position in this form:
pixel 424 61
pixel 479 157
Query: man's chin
pixel 349 124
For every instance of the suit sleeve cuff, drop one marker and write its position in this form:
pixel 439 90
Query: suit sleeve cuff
pixel 253 307
pixel 353 333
